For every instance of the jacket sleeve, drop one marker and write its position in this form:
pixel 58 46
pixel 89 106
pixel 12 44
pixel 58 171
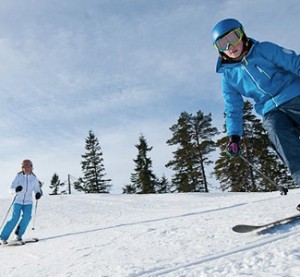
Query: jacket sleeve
pixel 234 105
pixel 15 183
pixel 284 58
pixel 37 187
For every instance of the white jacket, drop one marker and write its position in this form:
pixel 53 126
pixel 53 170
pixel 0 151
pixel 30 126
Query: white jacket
pixel 29 183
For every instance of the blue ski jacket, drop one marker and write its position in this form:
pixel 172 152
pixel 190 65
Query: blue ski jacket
pixel 269 74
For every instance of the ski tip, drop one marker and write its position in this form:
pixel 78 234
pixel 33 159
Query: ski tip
pixel 243 228
pixel 30 240
pixel 236 228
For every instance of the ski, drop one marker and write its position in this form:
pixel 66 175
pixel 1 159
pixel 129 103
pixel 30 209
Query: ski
pixel 244 228
pixel 31 240
pixel 14 243
pixel 20 243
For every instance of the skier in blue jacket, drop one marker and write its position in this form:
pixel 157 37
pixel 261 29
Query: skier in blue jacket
pixel 24 184
pixel 270 75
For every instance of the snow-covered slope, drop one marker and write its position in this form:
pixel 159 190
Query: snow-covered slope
pixel 186 235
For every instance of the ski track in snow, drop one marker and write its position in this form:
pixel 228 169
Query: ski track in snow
pixel 251 246
pixel 139 222
pixel 174 235
pixel 146 221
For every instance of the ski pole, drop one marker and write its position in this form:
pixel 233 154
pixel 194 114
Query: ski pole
pixel 12 202
pixel 281 189
pixel 33 224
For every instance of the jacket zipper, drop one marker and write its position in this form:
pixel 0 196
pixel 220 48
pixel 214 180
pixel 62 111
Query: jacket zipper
pixel 262 71
pixel 253 79
pixel 26 178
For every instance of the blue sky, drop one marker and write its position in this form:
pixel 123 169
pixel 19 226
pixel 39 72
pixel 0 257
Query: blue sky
pixel 120 68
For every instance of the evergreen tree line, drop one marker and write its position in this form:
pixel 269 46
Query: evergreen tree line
pixel 194 139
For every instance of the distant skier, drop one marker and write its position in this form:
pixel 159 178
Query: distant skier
pixel 270 75
pixel 24 184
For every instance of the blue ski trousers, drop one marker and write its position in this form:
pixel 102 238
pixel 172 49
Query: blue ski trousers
pixel 11 224
pixel 283 127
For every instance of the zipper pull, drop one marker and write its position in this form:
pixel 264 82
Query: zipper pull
pixel 244 60
pixel 262 71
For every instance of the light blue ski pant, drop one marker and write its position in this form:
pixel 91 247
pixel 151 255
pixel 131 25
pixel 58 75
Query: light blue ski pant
pixel 11 224
pixel 283 127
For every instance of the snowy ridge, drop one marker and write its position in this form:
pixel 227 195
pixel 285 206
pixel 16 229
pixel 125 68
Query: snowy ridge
pixel 172 235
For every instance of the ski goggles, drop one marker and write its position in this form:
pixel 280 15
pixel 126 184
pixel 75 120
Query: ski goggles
pixel 232 38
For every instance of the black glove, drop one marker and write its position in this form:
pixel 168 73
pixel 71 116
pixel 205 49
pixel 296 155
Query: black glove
pixel 38 196
pixel 19 188
pixel 233 148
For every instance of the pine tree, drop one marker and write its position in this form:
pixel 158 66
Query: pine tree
pixel 56 185
pixel 193 134
pixel 236 175
pixel 80 185
pixel 129 189
pixel 163 186
pixel 93 168
pixel 232 174
pixel 143 179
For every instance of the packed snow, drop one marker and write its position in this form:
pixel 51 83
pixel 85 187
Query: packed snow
pixel 175 235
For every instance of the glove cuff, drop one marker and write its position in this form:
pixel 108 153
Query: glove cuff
pixel 235 138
